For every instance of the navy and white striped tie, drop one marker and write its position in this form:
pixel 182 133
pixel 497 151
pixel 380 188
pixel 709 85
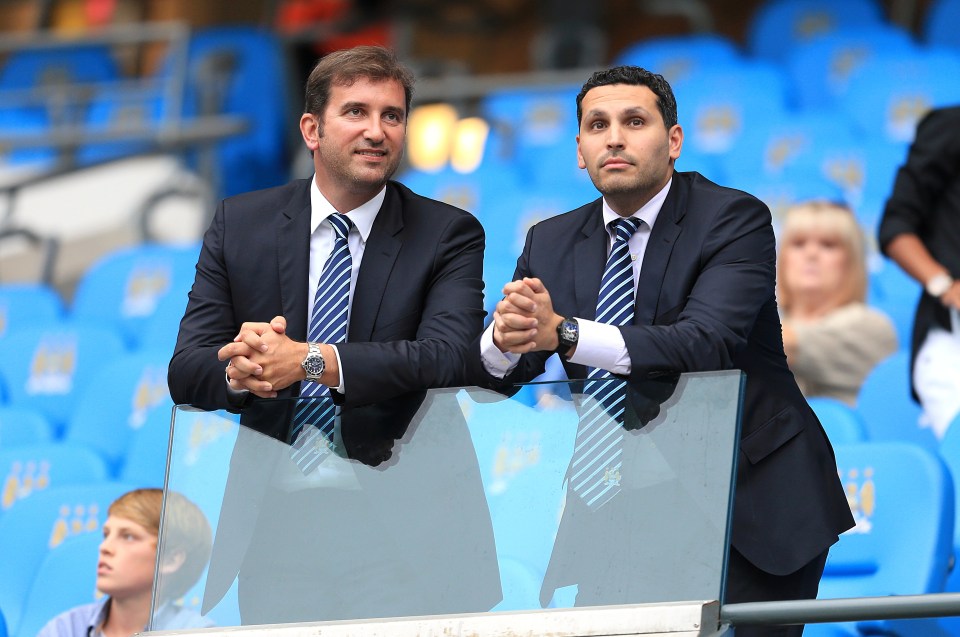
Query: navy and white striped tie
pixel 597 455
pixel 312 432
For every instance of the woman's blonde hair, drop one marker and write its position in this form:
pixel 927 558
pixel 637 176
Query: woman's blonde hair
pixel 833 220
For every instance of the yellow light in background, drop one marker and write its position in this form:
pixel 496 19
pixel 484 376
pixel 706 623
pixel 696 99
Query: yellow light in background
pixel 430 136
pixel 468 144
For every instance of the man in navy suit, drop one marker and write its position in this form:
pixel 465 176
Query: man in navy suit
pixel 383 545
pixel 703 279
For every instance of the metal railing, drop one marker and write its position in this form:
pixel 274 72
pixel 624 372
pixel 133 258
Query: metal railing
pixel 815 611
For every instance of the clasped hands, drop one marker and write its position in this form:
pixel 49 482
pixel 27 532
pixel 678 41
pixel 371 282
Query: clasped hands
pixel 524 320
pixel 263 359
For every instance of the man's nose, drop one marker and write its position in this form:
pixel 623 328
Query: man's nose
pixel 614 137
pixel 374 131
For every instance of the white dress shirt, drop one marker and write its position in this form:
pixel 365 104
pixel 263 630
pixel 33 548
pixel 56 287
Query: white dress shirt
pixel 600 345
pixel 321 245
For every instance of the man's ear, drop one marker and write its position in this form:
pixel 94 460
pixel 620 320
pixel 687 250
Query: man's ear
pixel 311 130
pixel 675 140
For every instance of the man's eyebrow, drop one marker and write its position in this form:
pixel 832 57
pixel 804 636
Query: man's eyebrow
pixel 636 110
pixel 346 106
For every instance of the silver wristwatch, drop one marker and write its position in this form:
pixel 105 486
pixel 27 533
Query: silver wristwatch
pixel 313 364
pixel 938 285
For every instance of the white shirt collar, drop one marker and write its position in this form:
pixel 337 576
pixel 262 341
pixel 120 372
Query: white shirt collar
pixel 362 217
pixel 648 213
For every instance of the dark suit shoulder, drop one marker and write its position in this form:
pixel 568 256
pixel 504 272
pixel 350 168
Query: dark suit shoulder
pixel 700 188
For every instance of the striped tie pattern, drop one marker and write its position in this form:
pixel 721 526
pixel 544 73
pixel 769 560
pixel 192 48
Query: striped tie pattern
pixel 597 455
pixel 312 432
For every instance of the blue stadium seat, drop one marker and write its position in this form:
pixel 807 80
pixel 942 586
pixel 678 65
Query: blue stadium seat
pixel 66 577
pixel 239 70
pixel 124 288
pixel 115 108
pixel 28 305
pixel 780 193
pixel 108 424
pixel 28 68
pixel 19 426
pixel 161 328
pixel 481 192
pixel 25 121
pixel 3 625
pixel 717 105
pixel 145 462
pixel 29 470
pixel 774 147
pixel 48 369
pixel 679 58
pixel 940 23
pixel 529 123
pixel 820 69
pixel 39 525
pixel 896 294
pixel 780 25
pixel 885 405
pixel 902 499
pixel 841 421
pixel 889 93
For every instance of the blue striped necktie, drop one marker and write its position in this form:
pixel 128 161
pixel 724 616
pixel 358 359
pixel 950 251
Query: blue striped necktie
pixel 597 455
pixel 312 432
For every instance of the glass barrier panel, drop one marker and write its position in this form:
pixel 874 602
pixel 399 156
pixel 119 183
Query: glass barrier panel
pixel 460 500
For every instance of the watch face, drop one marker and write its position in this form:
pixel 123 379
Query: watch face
pixel 313 365
pixel 569 331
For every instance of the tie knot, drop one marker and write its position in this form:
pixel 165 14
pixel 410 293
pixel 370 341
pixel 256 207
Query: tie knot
pixel 341 224
pixel 623 229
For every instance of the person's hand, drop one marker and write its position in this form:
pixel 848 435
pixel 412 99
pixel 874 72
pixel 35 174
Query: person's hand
pixel 524 320
pixel 255 358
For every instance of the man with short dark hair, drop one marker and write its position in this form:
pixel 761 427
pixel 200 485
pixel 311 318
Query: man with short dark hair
pixel 697 294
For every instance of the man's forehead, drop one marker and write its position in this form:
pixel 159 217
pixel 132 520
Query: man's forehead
pixel 638 94
pixel 349 89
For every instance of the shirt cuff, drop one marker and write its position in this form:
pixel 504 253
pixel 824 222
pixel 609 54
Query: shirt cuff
pixel 230 390
pixel 341 388
pixel 601 345
pixel 498 364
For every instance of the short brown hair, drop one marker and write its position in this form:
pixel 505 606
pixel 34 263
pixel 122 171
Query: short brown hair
pixel 346 66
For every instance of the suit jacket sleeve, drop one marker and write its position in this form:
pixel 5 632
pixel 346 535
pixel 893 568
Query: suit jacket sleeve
pixel 722 291
pixel 931 165
pixel 425 348
pixel 195 375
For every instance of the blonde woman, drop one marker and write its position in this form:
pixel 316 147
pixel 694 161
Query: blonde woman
pixel 831 337
pixel 125 569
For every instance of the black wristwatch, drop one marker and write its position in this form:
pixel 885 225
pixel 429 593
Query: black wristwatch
pixel 568 333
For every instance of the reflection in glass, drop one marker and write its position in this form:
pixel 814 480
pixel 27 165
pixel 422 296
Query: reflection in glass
pixel 456 501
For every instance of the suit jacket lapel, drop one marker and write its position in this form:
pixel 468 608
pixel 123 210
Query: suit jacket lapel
pixel 293 261
pixel 657 255
pixel 379 255
pixel 589 260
